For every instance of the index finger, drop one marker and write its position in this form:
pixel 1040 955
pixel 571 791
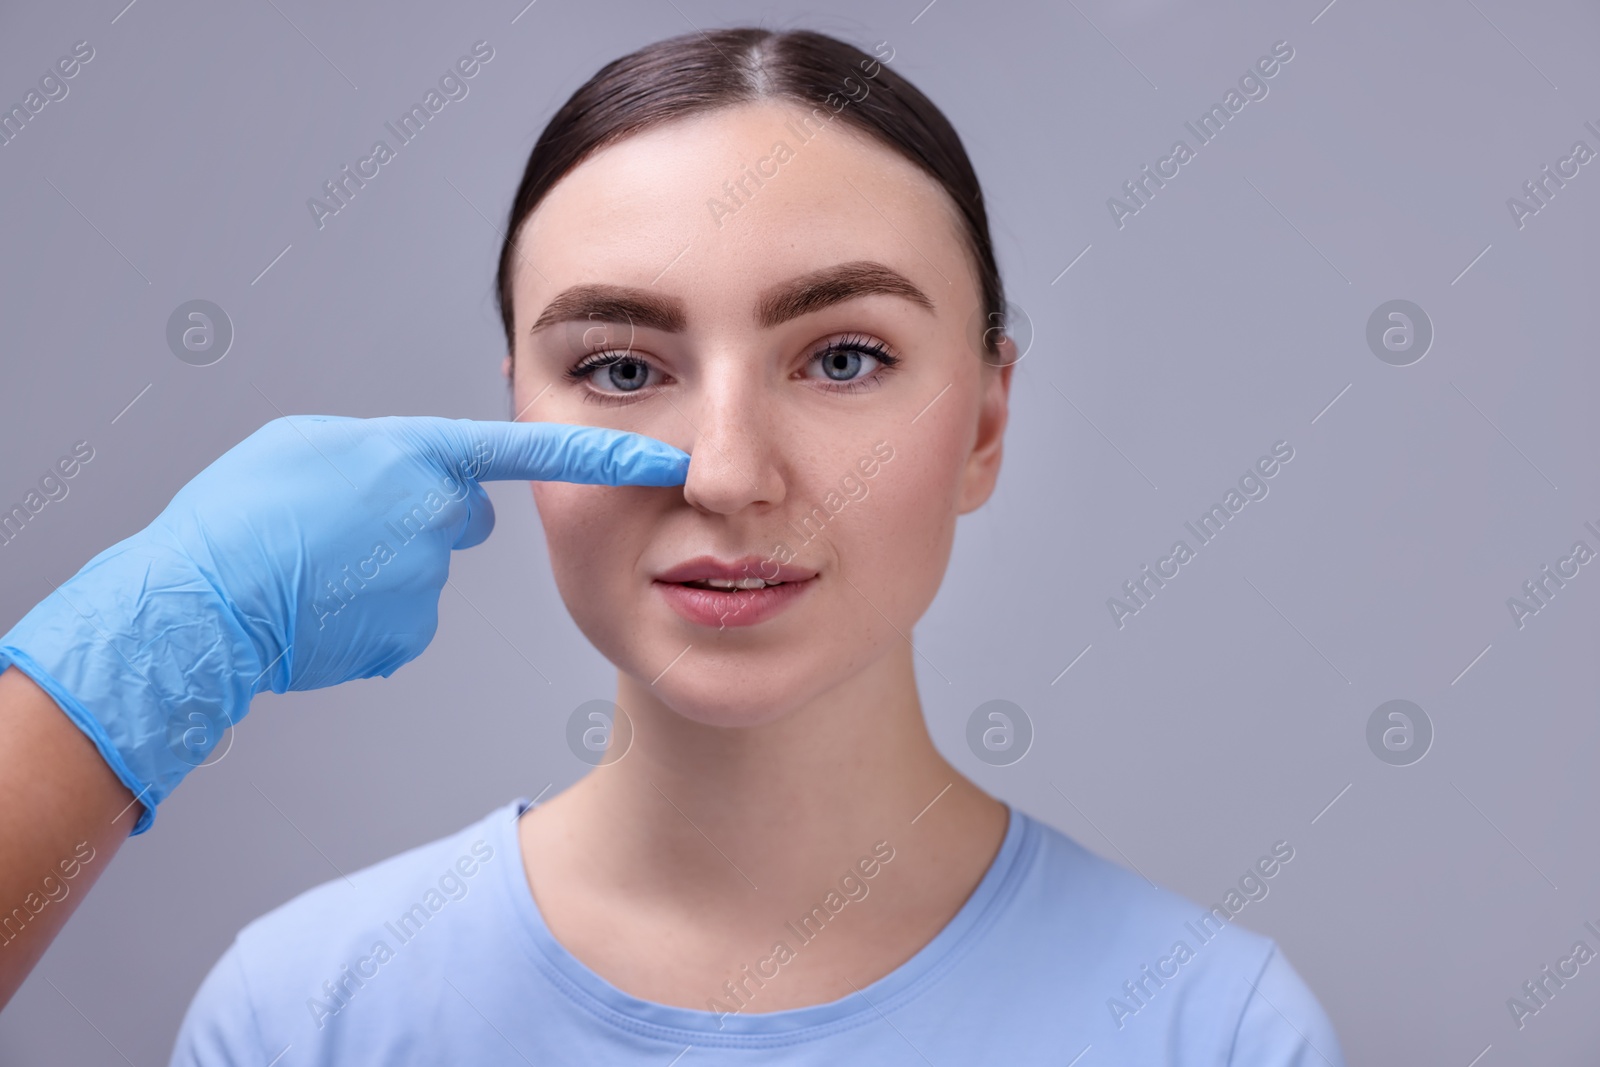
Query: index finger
pixel 558 452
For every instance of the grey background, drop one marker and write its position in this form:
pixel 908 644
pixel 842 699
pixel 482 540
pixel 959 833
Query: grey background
pixel 1224 317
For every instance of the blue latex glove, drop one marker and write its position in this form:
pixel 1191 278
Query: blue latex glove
pixel 311 553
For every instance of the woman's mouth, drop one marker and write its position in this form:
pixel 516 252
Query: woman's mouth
pixel 730 583
pixel 710 592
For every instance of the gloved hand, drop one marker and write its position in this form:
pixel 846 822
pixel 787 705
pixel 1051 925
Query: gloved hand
pixel 311 553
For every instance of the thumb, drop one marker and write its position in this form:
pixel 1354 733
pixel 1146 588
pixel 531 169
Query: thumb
pixel 480 518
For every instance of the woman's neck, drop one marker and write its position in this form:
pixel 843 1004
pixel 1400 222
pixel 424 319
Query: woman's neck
pixel 706 840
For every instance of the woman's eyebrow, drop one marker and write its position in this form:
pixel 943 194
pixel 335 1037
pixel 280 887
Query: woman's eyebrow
pixel 832 285
pixel 613 303
pixel 803 295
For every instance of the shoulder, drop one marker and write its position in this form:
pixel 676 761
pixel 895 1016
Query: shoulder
pixel 1159 967
pixel 1109 906
pixel 390 902
pixel 301 964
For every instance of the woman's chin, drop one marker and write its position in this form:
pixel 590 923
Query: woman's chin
pixel 724 694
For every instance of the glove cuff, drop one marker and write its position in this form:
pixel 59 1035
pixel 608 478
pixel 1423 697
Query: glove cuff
pixel 146 657
pixel 86 722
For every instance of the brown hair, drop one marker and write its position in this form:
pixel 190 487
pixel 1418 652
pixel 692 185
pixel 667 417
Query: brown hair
pixel 699 72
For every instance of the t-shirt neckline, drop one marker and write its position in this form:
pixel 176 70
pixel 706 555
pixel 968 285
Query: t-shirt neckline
pixel 756 1029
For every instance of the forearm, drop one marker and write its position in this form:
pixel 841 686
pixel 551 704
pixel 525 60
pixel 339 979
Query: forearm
pixel 63 814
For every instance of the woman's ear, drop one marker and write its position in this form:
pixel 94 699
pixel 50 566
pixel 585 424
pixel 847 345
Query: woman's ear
pixel 505 368
pixel 983 465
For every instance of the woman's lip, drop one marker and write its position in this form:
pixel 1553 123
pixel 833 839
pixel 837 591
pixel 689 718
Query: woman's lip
pixel 731 607
pixel 704 568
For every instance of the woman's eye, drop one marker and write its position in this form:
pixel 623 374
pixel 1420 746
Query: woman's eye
pixel 619 374
pixel 851 361
pixel 844 365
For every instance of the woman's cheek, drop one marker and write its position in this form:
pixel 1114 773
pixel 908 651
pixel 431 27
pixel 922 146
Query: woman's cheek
pixel 585 529
pixel 909 518
pixel 908 537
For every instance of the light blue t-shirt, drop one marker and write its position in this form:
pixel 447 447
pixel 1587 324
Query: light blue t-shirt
pixel 439 956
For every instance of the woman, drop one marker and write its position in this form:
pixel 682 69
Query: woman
pixel 770 251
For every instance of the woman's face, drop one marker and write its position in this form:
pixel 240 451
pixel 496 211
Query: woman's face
pixel 803 318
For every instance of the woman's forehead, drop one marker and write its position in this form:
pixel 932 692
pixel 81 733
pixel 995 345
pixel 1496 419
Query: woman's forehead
pixel 742 195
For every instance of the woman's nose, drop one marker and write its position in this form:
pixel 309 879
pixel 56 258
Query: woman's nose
pixel 733 462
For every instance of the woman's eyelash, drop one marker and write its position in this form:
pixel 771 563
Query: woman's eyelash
pixel 589 364
pixel 859 343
